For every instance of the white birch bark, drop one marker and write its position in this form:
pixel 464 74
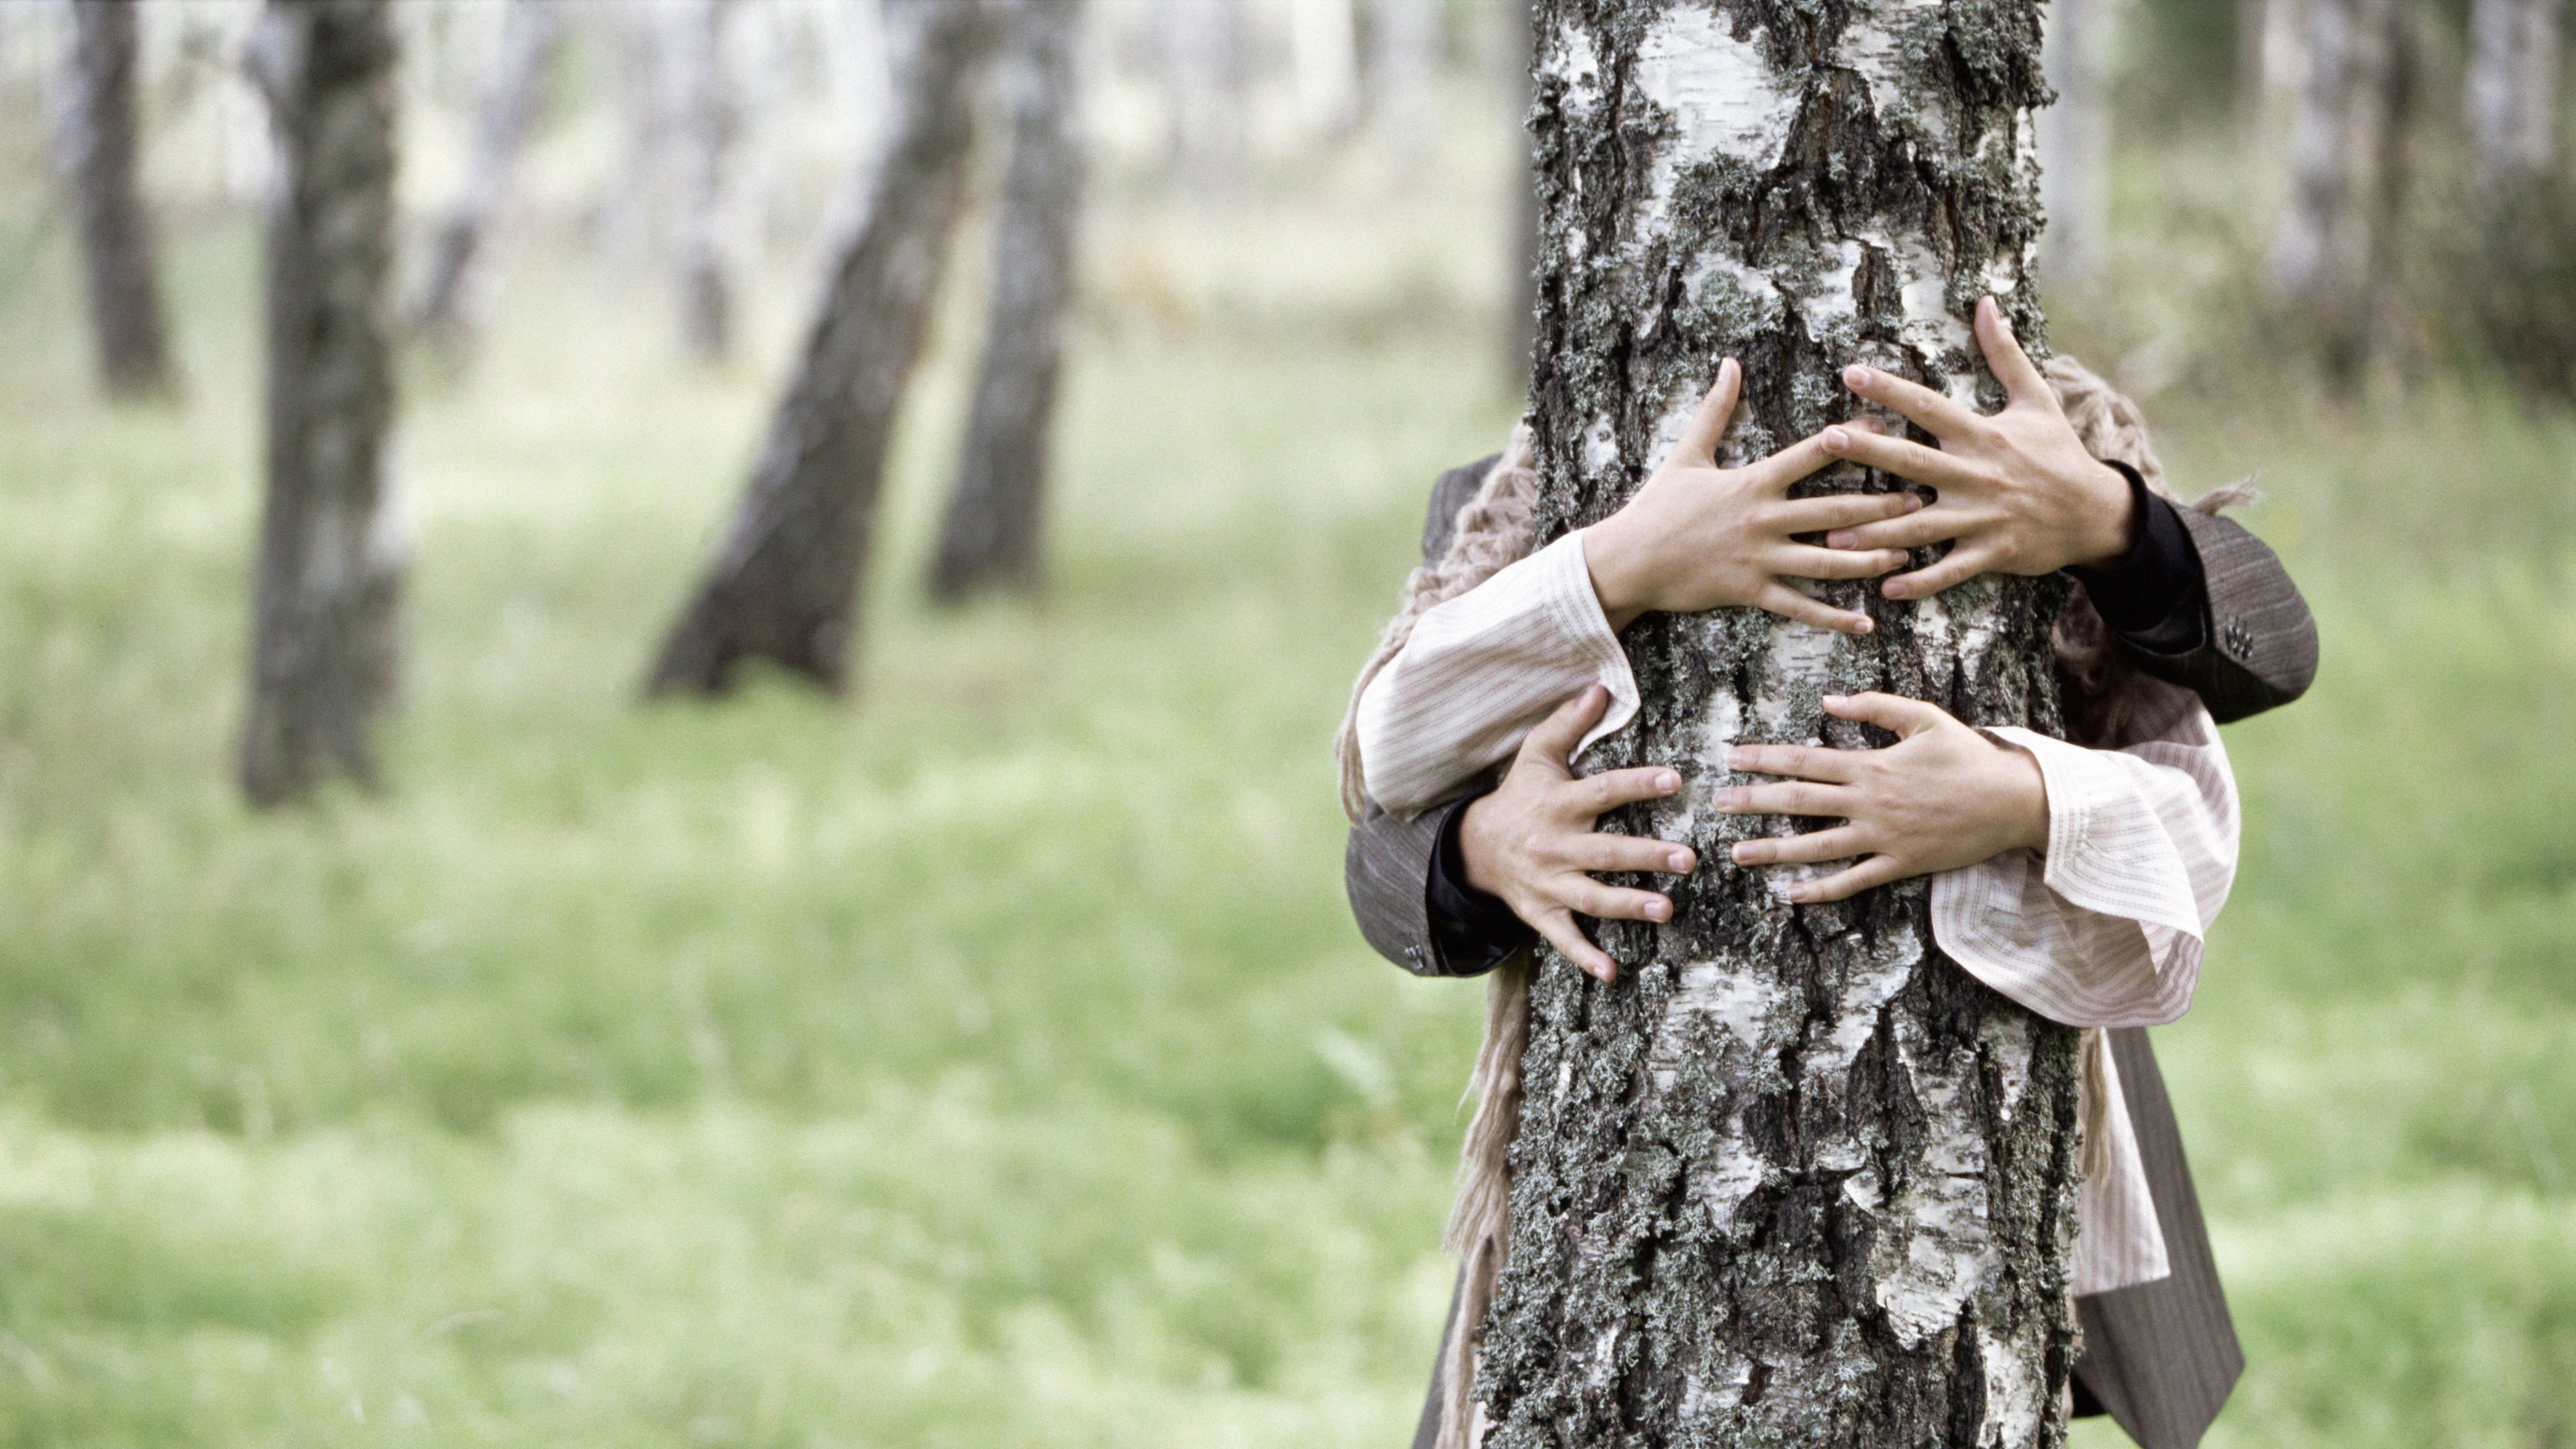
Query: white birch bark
pixel 1404 53
pixel 2323 256
pixel 2511 92
pixel 1323 50
pixel 1201 50
pixel 1796 1178
pixel 460 267
pixel 2075 143
pixel 705 120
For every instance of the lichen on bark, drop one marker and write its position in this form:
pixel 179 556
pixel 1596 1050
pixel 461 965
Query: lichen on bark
pixel 1796 1179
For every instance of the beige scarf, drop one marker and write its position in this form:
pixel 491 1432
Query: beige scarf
pixel 1496 529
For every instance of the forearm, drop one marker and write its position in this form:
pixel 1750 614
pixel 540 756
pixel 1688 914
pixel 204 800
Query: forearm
pixel 1480 670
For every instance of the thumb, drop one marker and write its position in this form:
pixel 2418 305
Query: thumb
pixel 2011 366
pixel 1707 426
pixel 1552 742
pixel 1906 718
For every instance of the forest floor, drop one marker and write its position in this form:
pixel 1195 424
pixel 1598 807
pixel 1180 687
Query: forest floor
pixel 988 1059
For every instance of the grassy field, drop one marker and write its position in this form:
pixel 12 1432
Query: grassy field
pixel 988 1059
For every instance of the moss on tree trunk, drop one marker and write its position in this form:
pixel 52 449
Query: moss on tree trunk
pixel 1796 1179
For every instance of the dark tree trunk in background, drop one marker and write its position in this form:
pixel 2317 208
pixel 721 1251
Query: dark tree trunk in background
pixel 784 587
pixel 330 555
pixel 116 231
pixel 705 127
pixel 1795 1179
pixel 459 268
pixel 2515 56
pixel 994 514
pixel 2075 143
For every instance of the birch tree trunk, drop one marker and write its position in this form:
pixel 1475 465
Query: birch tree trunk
pixel 1202 49
pixel 705 125
pixel 1796 1179
pixel 330 555
pixel 2511 96
pixel 531 34
pixel 994 515
pixel 2326 258
pixel 2075 143
pixel 1521 329
pixel 1323 53
pixel 2271 63
pixel 116 230
pixel 784 586
pixel 1404 53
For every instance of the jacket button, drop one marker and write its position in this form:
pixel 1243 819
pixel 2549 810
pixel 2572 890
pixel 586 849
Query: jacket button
pixel 2238 638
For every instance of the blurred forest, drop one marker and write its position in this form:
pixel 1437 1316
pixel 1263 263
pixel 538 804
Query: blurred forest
pixel 976 1050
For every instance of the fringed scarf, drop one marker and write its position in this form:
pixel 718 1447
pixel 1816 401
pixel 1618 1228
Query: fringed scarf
pixel 1496 529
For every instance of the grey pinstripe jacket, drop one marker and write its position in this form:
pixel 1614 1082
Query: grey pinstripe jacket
pixel 2161 1357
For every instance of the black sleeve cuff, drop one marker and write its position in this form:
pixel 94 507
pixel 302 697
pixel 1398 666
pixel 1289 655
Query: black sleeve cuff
pixel 1471 932
pixel 2155 597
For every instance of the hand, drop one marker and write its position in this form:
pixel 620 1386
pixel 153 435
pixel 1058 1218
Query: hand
pixel 1943 796
pixel 2018 494
pixel 1531 842
pixel 1698 536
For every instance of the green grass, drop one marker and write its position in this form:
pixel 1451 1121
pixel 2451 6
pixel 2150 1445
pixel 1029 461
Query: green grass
pixel 988 1059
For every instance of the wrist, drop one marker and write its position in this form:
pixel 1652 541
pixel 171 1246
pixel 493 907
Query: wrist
pixel 2115 519
pixel 1617 582
pixel 2028 792
pixel 1473 857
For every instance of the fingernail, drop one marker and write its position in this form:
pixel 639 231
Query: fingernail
pixel 1893 588
pixel 1834 699
pixel 1913 502
pixel 1741 855
pixel 1798 895
pixel 1737 755
pixel 1659 910
pixel 1863 626
pixel 1841 538
pixel 1668 782
pixel 1837 441
pixel 1681 862
pixel 1856 376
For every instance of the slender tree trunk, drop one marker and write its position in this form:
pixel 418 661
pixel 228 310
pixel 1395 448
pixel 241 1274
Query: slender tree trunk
pixel 531 34
pixel 2271 61
pixel 1203 72
pixel 2515 56
pixel 1323 51
pixel 705 125
pixel 1521 332
pixel 2075 143
pixel 116 231
pixel 635 203
pixel 1404 53
pixel 785 585
pixel 2326 259
pixel 1795 1179
pixel 992 529
pixel 330 557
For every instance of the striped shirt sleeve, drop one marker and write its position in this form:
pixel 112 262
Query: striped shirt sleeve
pixel 1483 668
pixel 2107 929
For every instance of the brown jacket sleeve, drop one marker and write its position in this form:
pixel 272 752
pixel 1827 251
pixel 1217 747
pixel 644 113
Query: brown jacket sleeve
pixel 2258 642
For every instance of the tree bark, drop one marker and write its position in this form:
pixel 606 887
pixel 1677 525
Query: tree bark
pixel 2328 258
pixel 707 120
pixel 994 515
pixel 2515 55
pixel 2270 62
pixel 785 585
pixel 1404 53
pixel 1521 329
pixel 531 34
pixel 1323 52
pixel 1796 1178
pixel 116 230
pixel 1202 48
pixel 2075 143
pixel 330 557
